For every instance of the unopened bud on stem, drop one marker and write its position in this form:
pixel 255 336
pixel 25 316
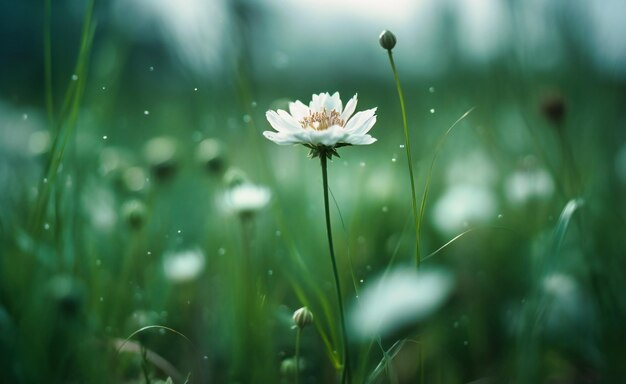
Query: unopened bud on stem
pixel 387 40
pixel 303 317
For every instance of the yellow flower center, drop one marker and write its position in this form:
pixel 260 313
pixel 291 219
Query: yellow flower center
pixel 322 120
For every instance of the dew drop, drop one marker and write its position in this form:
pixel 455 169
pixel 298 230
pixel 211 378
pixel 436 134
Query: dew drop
pixel 247 118
pixel 104 88
pixel 151 68
pixel 401 146
pixel 25 116
pixel 101 299
pixel 105 137
pixel 148 253
pixel 361 281
pixel 278 233
pixel 500 216
pixel 253 104
pixel 46 226
pixel 205 357
pixel 146 112
pixel 432 110
pixel 179 231
pixel 74 77
pixel 45 180
pixel 431 89
pixel 270 272
pixel 221 251
pixel 196 89
pixel 385 209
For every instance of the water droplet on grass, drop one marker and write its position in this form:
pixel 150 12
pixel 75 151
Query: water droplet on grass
pixel 151 68
pixel 104 88
pixel 195 89
pixel 221 251
pixel 146 112
pixel 432 110
pixel 402 146
pixel 25 116
pixel 253 104
pixel 500 216
pixel 74 77
pixel 431 89
pixel 105 137
pixel 247 118
pixel 46 226
pixel 270 272
pixel 393 159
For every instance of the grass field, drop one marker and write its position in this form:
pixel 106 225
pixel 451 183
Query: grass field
pixel 150 232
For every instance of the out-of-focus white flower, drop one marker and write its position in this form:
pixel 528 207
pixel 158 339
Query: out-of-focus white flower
pixel 475 168
pixel 247 198
pixel 568 311
pixel 183 266
pixel 463 205
pixel 525 185
pixel 398 299
pixel 323 125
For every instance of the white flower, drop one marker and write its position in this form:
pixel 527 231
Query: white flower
pixel 183 266
pixel 323 125
pixel 398 299
pixel 247 198
pixel 525 185
pixel 463 205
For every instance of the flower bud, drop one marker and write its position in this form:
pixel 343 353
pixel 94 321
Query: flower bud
pixel 67 294
pixel 288 367
pixel 303 317
pixel 234 177
pixel 161 154
pixel 387 40
pixel 553 108
pixel 211 156
pixel 134 213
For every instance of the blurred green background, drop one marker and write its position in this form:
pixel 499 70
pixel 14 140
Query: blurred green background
pixel 125 127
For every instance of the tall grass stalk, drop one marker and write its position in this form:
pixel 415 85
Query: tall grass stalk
pixel 407 147
pixel 346 377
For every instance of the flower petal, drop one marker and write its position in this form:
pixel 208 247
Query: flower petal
pixel 360 140
pixel 290 119
pixel 333 103
pixel 329 137
pixel 365 127
pixel 298 110
pixel 359 119
pixel 281 138
pixel 350 106
pixel 280 124
pixel 318 102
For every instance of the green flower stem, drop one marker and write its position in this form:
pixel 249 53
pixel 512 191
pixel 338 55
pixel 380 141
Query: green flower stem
pixel 407 147
pixel 297 370
pixel 346 350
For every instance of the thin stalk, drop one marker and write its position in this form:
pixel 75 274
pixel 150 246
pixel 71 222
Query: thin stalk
pixel 346 350
pixel 298 333
pixel 47 46
pixel 407 147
